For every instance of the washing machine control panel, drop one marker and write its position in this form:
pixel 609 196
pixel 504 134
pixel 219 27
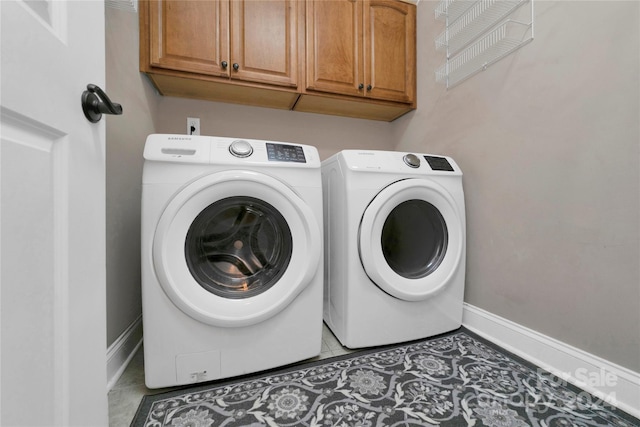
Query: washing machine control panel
pixel 285 153
pixel 218 150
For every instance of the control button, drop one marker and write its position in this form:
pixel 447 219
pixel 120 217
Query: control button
pixel 412 160
pixel 241 148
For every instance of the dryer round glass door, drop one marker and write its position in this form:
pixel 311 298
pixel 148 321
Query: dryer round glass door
pixel 414 239
pixel 411 239
pixel 236 247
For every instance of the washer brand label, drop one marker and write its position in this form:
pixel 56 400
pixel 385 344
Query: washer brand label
pixel 198 376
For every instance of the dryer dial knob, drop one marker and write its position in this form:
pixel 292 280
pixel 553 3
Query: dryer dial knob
pixel 412 160
pixel 240 148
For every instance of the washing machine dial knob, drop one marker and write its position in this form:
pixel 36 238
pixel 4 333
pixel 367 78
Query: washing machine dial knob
pixel 240 148
pixel 412 160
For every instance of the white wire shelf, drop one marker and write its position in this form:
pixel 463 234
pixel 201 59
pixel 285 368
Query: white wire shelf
pixel 466 22
pixel 506 38
pixel 452 9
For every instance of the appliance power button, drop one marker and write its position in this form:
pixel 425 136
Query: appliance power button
pixel 240 148
pixel 412 160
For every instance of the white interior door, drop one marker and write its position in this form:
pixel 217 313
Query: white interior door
pixel 52 216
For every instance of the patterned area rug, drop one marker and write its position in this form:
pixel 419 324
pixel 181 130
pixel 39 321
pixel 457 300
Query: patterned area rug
pixel 455 379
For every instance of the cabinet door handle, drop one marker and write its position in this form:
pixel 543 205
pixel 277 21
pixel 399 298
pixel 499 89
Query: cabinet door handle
pixel 369 87
pixel 224 65
pixel 236 66
pixel 361 86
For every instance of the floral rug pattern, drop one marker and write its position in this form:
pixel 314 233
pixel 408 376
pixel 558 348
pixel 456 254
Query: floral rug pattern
pixel 456 379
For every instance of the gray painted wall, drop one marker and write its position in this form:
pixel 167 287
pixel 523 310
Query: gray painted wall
pixel 125 141
pixel 548 139
pixel 328 134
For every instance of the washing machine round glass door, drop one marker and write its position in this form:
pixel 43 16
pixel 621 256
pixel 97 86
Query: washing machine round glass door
pixel 411 239
pixel 235 247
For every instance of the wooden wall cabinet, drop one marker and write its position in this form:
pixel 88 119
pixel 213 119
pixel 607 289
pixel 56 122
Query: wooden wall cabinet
pixel 361 48
pixel 196 48
pixel 364 49
pixel 344 57
pixel 189 36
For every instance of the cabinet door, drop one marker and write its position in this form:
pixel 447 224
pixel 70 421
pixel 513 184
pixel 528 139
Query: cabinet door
pixel 390 55
pixel 190 35
pixel 264 41
pixel 334 46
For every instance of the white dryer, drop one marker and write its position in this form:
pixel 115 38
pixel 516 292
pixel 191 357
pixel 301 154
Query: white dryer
pixel 231 257
pixel 394 246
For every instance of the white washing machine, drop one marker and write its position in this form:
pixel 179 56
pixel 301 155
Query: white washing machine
pixel 231 257
pixel 394 246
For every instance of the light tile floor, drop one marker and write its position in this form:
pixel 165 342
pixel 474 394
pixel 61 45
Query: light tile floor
pixel 126 394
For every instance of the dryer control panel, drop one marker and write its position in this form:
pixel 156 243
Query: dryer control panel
pixel 439 163
pixel 399 162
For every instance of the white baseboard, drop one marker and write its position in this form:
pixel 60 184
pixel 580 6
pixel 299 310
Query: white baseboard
pixel 612 383
pixel 120 353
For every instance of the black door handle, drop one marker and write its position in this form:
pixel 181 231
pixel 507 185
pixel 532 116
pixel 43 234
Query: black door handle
pixel 95 103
